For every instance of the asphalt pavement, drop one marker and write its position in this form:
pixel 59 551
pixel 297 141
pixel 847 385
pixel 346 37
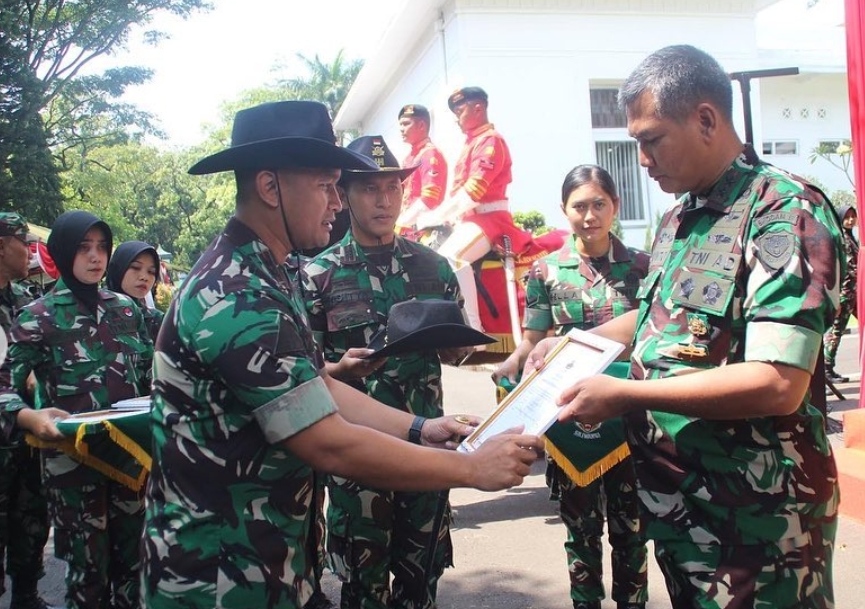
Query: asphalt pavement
pixel 508 545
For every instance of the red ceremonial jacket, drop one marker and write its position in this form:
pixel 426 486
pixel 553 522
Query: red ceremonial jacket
pixel 484 166
pixel 429 181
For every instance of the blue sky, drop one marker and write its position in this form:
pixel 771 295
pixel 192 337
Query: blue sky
pixel 211 57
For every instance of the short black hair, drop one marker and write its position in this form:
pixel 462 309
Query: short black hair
pixel 679 77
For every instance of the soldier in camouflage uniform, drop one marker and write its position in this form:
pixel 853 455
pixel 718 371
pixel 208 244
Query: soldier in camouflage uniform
pixel 244 410
pixel 847 305
pixel 591 280
pixel 350 290
pixel 23 509
pixel 87 348
pixel 134 270
pixel 735 473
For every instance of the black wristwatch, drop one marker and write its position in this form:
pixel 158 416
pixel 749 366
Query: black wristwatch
pixel 414 430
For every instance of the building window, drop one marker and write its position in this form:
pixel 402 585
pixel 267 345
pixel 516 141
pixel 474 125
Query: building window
pixel 621 160
pixel 605 109
pixel 781 147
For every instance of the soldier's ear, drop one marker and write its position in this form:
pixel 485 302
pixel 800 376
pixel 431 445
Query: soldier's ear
pixel 267 187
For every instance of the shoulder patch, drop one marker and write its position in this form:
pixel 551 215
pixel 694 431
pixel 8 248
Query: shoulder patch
pixel 775 249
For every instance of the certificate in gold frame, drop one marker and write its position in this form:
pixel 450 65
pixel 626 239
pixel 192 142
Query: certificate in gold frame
pixel 532 404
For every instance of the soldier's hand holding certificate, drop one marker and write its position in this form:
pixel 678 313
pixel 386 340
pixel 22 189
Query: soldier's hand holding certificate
pixel 532 404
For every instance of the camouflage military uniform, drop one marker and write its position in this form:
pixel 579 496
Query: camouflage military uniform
pixel 23 509
pixel 153 320
pixel 566 290
pixel 373 533
pixel 847 304
pixel 228 507
pixel 743 512
pixel 85 363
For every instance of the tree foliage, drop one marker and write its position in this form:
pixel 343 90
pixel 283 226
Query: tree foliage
pixel 47 101
pixel 532 221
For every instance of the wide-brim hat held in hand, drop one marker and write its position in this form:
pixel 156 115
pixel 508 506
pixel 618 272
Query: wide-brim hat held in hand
pixel 423 325
pixel 374 148
pixel 282 134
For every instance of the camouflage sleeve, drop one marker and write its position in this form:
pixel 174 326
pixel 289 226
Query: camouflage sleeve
pixel 26 353
pixel 260 349
pixel 538 315
pixel 145 361
pixel 793 254
pixel 10 402
pixel 313 303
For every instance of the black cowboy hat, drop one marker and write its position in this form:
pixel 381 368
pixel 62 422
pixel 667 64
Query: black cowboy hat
pixel 374 148
pixel 281 134
pixel 422 325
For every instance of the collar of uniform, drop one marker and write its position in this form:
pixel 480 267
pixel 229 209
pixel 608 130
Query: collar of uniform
pixel 618 252
pixel 63 295
pixel 420 146
pixel 729 187
pixel 351 253
pixel 480 129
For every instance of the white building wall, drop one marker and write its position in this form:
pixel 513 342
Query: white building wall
pixel 537 61
pixel 818 111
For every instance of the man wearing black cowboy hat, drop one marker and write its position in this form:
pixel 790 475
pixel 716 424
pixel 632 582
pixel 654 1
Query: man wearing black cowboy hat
pixel 243 409
pixel 351 288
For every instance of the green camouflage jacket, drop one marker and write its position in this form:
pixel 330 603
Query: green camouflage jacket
pixel 81 362
pixel 12 299
pixel 749 272
pixel 566 291
pixel 348 298
pixel 236 373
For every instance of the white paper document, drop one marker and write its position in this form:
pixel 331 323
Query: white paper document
pixel 532 403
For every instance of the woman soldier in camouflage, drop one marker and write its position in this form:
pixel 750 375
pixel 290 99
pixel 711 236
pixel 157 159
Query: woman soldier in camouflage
pixel 592 279
pixel 134 270
pixel 86 347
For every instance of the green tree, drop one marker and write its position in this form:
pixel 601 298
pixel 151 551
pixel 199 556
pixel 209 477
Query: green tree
pixel 532 221
pixel 328 83
pixel 44 46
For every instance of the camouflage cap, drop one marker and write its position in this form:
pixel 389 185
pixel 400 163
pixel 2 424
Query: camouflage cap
pixel 12 224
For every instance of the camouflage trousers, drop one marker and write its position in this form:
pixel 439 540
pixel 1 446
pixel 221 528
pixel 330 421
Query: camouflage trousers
pixel 832 338
pixel 97 530
pixel 612 497
pixel 794 573
pixel 372 534
pixel 23 516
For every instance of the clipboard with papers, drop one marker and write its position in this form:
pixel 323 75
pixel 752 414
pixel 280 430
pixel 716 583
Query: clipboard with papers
pixel 532 403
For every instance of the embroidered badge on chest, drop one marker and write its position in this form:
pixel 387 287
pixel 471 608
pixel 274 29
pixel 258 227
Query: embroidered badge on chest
pixel 687 288
pixel 711 293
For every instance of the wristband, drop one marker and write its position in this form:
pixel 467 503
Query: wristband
pixel 414 430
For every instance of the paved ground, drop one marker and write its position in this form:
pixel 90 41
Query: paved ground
pixel 508 545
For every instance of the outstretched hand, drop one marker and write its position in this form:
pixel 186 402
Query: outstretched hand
pixel 355 365
pixel 448 432
pixel 504 460
pixel 41 423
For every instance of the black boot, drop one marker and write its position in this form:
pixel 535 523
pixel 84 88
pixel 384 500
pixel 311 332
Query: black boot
pixel 834 376
pixel 27 600
pixel 587 604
